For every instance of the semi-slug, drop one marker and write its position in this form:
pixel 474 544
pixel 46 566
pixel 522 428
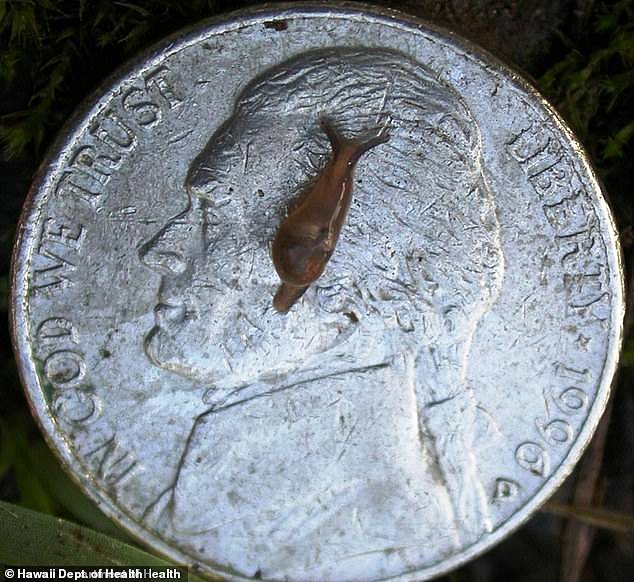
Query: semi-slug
pixel 307 237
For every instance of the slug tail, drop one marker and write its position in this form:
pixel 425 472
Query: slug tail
pixel 286 297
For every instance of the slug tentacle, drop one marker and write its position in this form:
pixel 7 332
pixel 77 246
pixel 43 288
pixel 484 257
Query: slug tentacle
pixel 307 237
pixel 351 149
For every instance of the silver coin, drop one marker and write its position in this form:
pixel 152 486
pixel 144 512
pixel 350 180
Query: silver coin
pixel 425 395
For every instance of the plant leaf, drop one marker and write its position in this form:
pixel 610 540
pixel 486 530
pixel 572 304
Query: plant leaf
pixel 64 491
pixel 31 538
pixel 616 144
pixel 620 523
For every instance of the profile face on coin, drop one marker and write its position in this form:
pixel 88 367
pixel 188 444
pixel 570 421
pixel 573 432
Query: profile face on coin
pixel 425 394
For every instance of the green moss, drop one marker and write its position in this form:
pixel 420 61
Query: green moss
pixel 592 86
pixel 55 52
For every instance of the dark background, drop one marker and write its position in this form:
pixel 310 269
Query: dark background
pixel 580 53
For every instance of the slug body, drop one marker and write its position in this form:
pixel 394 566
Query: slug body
pixel 307 237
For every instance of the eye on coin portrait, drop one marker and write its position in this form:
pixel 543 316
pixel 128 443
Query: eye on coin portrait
pixel 423 396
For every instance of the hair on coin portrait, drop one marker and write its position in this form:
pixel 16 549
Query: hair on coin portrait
pixel 349 420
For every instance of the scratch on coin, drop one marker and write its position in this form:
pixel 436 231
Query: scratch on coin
pixel 180 137
pixel 170 489
pixel 345 442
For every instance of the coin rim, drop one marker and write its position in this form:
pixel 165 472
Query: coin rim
pixel 42 183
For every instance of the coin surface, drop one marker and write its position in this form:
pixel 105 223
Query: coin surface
pixel 425 395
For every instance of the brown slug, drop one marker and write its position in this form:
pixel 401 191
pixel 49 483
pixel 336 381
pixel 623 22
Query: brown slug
pixel 307 237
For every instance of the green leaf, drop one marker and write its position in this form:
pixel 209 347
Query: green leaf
pixel 616 85
pixel 33 492
pixel 616 144
pixel 66 493
pixel 606 22
pixel 31 538
pixel 42 483
pixel 623 44
pixel 7 447
pixel 23 23
pixel 134 7
pixel 22 129
pixel 614 521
